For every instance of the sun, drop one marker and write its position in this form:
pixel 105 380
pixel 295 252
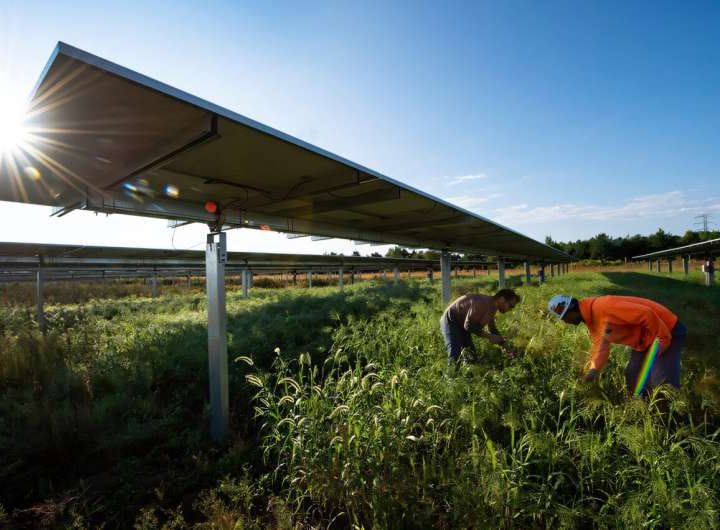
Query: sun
pixel 12 129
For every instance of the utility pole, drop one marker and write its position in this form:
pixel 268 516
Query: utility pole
pixel 704 220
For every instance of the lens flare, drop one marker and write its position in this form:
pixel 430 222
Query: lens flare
pixel 647 367
pixel 12 131
pixel 171 191
pixel 32 173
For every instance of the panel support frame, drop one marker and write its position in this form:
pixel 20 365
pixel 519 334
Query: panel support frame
pixel 215 259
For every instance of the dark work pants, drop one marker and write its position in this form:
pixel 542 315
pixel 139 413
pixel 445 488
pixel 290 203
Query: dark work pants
pixel 456 338
pixel 667 364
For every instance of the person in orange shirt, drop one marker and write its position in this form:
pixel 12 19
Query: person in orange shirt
pixel 632 321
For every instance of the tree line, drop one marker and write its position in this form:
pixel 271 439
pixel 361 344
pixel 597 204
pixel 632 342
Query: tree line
pixel 600 247
pixel 604 247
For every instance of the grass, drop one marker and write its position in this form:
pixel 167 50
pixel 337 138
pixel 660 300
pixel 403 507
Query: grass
pixel 345 414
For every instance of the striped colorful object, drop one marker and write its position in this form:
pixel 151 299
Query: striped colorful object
pixel 647 366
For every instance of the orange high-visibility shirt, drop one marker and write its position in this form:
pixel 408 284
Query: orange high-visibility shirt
pixel 629 320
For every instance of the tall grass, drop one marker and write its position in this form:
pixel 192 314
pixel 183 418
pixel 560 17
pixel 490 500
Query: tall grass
pixel 345 414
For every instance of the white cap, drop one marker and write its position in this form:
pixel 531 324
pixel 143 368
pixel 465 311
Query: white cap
pixel 559 304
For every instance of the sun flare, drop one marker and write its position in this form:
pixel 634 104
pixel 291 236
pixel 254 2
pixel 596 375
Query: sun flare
pixel 12 129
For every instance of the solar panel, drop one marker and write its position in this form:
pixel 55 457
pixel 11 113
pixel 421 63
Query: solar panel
pixel 705 248
pixel 62 256
pixel 111 140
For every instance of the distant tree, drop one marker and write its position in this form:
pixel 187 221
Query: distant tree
pixel 690 237
pixel 603 247
pixel 600 246
pixel 356 253
pixel 661 240
pixel 710 234
pixel 397 252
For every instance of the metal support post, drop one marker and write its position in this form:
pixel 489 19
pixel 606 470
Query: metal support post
pixel 396 275
pixel 686 265
pixel 40 295
pixel 501 274
pixel 658 265
pixel 189 281
pixel 670 261
pixel 352 276
pixel 215 259
pixel 709 269
pixel 541 273
pixel 552 270
pixel 445 270
pixel 245 279
pixel 309 279
pixel 340 278
pixel 294 278
pixel 528 276
pixel 153 284
pixel 430 274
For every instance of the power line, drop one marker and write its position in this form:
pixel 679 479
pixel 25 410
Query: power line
pixel 704 221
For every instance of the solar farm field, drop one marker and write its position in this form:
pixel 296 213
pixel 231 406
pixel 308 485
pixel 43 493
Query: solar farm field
pixel 344 414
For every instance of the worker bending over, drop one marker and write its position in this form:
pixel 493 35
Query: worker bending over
pixel 471 313
pixel 634 322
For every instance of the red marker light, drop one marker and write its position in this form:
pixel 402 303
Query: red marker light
pixel 211 207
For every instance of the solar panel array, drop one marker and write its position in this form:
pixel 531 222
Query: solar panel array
pixel 111 140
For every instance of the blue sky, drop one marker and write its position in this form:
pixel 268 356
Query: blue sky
pixel 553 118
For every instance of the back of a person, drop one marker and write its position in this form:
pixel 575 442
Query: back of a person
pixel 475 314
pixel 609 304
pixel 479 303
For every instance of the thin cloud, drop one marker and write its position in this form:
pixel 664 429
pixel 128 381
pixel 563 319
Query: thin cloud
pixel 465 178
pixel 470 202
pixel 661 205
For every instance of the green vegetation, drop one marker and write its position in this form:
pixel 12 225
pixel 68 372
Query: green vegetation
pixel 603 247
pixel 345 414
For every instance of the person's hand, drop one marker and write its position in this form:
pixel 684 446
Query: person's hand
pixel 590 375
pixel 496 339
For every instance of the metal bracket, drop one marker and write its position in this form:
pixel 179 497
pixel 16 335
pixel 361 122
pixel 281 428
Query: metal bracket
pixel 167 158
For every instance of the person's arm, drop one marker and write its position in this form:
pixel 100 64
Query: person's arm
pixel 495 335
pixel 600 350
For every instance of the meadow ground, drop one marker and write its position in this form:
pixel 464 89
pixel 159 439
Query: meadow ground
pixel 345 414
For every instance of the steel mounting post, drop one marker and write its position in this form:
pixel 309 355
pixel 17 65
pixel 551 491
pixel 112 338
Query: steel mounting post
pixel 215 259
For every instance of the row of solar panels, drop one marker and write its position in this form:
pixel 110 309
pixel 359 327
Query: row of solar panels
pixel 703 249
pixel 107 139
